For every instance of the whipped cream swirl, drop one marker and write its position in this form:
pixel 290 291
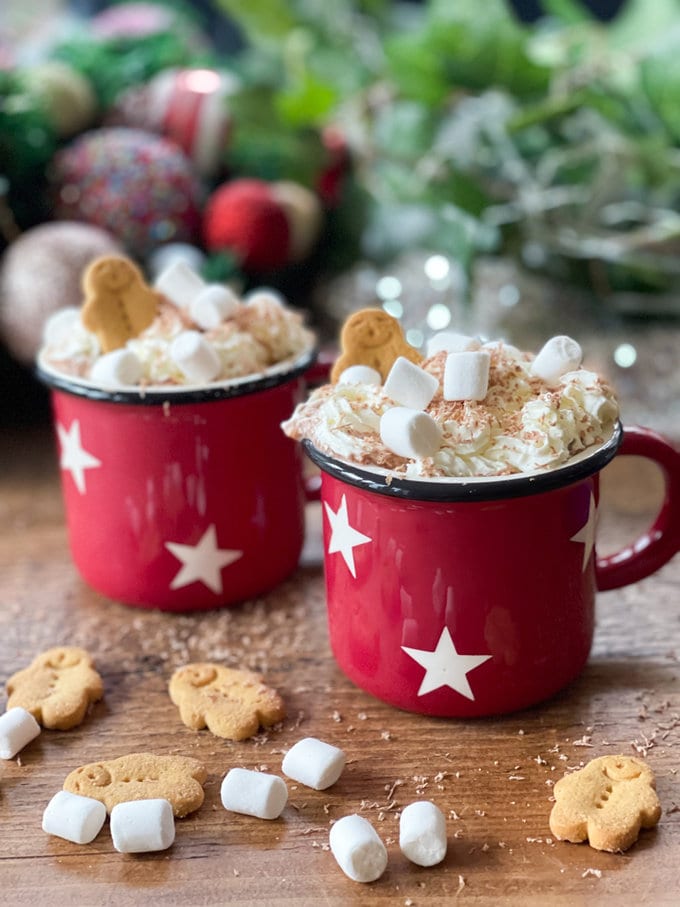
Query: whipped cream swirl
pixel 524 423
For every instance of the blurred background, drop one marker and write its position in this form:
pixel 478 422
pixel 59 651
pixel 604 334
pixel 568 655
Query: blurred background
pixel 505 168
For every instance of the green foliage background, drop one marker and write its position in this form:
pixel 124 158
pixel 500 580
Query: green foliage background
pixel 556 142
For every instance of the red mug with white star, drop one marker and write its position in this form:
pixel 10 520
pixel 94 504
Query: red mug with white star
pixel 182 499
pixel 472 597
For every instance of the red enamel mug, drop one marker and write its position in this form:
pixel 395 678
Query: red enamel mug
pixel 472 597
pixel 181 499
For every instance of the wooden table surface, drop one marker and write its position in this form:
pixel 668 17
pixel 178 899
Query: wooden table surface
pixel 493 778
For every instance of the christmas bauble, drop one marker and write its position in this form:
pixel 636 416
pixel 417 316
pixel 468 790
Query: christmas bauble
pixel 138 186
pixel 40 273
pixel 266 225
pixel 189 106
pixel 66 96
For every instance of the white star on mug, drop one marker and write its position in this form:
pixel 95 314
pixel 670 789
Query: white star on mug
pixel 344 538
pixel 202 562
pixel 74 457
pixel 444 667
pixel 586 534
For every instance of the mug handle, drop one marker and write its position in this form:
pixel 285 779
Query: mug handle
pixel 661 541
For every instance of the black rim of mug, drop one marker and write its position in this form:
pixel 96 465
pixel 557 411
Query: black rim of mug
pixel 469 489
pixel 158 396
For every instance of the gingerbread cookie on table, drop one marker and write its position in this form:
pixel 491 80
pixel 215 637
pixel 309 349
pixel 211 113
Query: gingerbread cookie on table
pixel 57 688
pixel 606 803
pixel 373 338
pixel 232 704
pixel 142 776
pixel 118 303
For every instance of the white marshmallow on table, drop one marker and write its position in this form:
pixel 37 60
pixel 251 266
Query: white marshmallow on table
pixel 179 283
pixel 357 848
pixel 195 357
pixel 74 818
pixel 466 375
pixel 558 356
pixel 410 385
pixel 17 728
pixel 360 374
pixel 451 342
pixel 141 826
pixel 213 305
pixel 409 432
pixel 254 793
pixel 422 833
pixel 119 367
pixel 314 763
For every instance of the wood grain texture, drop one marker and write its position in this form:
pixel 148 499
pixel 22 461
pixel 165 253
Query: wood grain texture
pixel 492 778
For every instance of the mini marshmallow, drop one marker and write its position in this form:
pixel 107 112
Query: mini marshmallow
pixel 17 728
pixel 74 818
pixel 506 348
pixel 264 294
pixel 180 283
pixel 360 374
pixel 60 324
pixel 410 385
pixel 422 833
pixel 141 826
pixel 254 793
pixel 466 375
pixel 195 357
pixel 357 848
pixel 558 356
pixel 213 305
pixel 451 342
pixel 314 763
pixel 117 368
pixel 409 432
pixel 163 256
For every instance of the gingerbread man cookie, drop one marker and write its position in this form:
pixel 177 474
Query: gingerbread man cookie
pixel 231 704
pixel 57 688
pixel 142 776
pixel 374 338
pixel 607 803
pixel 118 303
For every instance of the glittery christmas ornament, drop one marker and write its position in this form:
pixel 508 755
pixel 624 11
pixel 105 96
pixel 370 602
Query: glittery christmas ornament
pixel 243 217
pixel 139 186
pixel 189 106
pixel 266 225
pixel 66 96
pixel 41 272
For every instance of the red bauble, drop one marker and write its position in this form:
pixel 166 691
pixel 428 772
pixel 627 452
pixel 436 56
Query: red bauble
pixel 244 217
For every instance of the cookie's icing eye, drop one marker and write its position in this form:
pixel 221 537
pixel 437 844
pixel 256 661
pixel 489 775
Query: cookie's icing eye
pixel 622 770
pixel 97 774
pixel 199 676
pixel 62 658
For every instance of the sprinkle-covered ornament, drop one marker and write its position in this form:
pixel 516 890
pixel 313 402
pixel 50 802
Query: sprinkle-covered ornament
pixel 41 272
pixel 139 186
